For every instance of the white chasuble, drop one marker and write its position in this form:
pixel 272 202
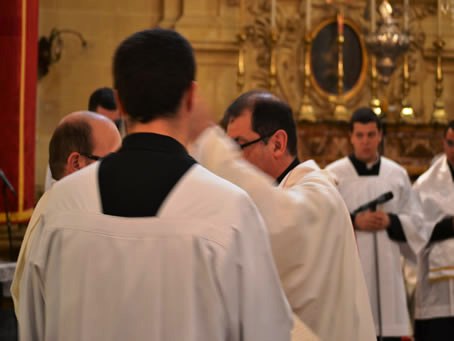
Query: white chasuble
pixel 311 237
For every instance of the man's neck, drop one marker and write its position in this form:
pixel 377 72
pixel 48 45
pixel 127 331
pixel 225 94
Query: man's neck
pixel 170 127
pixel 291 163
pixel 369 162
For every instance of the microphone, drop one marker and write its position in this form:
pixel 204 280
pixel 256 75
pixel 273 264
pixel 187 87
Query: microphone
pixel 372 205
pixel 6 182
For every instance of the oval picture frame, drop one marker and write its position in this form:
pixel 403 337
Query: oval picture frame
pixel 323 57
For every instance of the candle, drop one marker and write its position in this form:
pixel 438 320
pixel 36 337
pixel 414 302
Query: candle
pixel 406 15
pixel 273 13
pixel 372 16
pixel 439 20
pixel 340 23
pixel 308 15
pixel 242 13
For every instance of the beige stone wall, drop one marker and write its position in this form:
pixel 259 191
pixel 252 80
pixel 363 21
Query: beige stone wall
pixel 209 24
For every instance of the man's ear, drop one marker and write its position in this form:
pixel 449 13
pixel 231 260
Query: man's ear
pixel 279 143
pixel 74 162
pixel 189 97
pixel 120 106
pixel 380 133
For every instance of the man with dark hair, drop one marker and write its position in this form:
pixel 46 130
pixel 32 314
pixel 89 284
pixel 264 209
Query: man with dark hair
pixel 381 232
pixel 80 139
pixel 309 226
pixel 147 244
pixel 434 297
pixel 102 101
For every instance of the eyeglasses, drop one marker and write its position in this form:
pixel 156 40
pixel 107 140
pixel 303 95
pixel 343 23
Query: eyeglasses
pixel 91 156
pixel 250 143
pixel 450 143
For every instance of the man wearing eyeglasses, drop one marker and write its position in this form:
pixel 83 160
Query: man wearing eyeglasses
pixel 434 297
pixel 309 226
pixel 80 139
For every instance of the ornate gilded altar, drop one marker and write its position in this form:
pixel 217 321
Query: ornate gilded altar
pixel 313 54
pixel 413 146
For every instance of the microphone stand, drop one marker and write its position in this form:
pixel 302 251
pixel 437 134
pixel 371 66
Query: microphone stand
pixel 8 221
pixel 377 283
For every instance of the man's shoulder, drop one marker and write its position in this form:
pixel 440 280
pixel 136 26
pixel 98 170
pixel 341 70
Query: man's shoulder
pixel 202 178
pixel 434 174
pixel 393 166
pixel 338 164
pixel 76 190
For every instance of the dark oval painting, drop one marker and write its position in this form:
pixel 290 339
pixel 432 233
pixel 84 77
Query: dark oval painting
pixel 324 57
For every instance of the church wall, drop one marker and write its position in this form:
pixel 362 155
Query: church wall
pixel 212 27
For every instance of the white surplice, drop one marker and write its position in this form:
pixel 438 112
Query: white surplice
pixel 435 286
pixel 201 270
pixel 311 237
pixel 358 190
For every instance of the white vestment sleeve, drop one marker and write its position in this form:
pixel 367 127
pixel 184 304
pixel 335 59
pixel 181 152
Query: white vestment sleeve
pixel 265 313
pixel 411 217
pixel 31 314
pixel 24 250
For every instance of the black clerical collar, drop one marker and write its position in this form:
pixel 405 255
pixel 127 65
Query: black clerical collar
pixel 153 142
pixel 281 177
pixel 361 167
pixel 451 168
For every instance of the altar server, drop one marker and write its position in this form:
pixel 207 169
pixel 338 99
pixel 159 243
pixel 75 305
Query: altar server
pixel 381 231
pixel 434 298
pixel 147 244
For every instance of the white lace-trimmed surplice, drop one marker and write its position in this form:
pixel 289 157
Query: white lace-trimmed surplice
pixel 200 270
pixel 358 190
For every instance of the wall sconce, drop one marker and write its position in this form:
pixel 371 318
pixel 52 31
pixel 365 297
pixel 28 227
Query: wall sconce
pixel 50 49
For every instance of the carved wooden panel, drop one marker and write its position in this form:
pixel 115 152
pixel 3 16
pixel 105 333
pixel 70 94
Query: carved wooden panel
pixel 412 146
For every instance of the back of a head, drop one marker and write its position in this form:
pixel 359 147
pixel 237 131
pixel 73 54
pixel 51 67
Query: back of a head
pixel 269 113
pixel 74 135
pixel 365 115
pixel 450 126
pixel 152 69
pixel 102 97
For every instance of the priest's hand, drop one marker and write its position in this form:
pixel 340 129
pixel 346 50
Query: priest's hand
pixel 372 221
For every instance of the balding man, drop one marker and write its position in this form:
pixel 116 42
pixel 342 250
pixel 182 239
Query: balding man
pixel 80 139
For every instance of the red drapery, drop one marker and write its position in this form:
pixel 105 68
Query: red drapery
pixel 18 77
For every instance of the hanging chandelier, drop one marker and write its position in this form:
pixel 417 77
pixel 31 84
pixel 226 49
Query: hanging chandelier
pixel 388 42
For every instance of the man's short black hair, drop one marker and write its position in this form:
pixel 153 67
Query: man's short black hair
pixel 102 97
pixel 152 69
pixel 269 113
pixel 70 136
pixel 365 115
pixel 449 126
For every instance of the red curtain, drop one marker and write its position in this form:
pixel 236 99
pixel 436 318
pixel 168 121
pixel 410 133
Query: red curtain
pixel 18 77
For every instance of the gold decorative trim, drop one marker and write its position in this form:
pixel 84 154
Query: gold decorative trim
pixel 17 216
pixel 441 279
pixel 22 108
pixel 442 268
